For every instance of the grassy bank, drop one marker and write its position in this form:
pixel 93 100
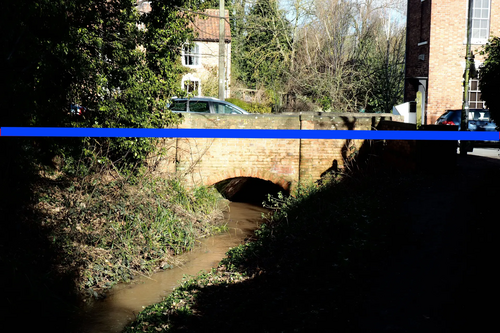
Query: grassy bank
pixel 308 266
pixel 77 237
pixel 111 231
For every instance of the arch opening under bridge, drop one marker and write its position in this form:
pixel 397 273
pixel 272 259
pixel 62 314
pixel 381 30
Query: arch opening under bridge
pixel 249 189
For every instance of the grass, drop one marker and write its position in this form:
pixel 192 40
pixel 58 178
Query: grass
pixel 178 307
pixel 309 264
pixel 110 232
pixel 65 239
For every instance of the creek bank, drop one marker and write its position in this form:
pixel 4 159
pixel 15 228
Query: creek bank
pixel 125 300
pixel 110 232
pixel 75 238
pixel 301 272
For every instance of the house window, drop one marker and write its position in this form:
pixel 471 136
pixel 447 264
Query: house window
pixel 480 30
pixel 475 101
pixel 191 85
pixel 191 55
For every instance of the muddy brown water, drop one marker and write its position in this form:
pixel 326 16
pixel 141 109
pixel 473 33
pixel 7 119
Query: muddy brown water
pixel 126 300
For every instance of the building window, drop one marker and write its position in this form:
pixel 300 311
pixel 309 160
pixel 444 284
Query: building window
pixel 475 101
pixel 480 30
pixel 191 85
pixel 191 55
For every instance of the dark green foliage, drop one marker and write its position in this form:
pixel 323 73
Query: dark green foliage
pixel 489 76
pixel 260 45
pixel 96 54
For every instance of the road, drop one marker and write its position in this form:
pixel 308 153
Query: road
pixel 446 279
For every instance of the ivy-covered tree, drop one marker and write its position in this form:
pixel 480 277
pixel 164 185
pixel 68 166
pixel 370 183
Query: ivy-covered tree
pixel 489 77
pixel 261 49
pixel 121 65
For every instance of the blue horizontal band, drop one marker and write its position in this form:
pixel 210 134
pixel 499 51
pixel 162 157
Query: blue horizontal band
pixel 245 133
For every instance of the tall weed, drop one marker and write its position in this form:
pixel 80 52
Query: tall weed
pixel 112 231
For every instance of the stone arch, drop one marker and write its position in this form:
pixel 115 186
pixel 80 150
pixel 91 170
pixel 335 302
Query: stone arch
pixel 281 181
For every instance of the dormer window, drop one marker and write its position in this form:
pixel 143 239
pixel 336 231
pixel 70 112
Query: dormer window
pixel 191 55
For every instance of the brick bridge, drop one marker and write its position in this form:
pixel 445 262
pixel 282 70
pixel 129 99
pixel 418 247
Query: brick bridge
pixel 285 162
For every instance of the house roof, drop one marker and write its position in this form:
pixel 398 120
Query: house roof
pixel 206 28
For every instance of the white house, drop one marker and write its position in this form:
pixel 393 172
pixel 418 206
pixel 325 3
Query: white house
pixel 203 56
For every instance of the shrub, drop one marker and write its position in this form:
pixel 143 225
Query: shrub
pixel 250 107
pixel 489 77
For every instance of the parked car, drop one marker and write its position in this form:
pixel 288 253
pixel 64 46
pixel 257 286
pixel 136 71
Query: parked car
pixel 204 105
pixel 479 119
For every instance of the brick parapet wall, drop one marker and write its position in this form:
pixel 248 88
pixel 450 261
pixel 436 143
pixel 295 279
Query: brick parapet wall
pixel 283 161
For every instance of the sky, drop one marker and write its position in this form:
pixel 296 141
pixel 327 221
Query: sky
pixel 396 8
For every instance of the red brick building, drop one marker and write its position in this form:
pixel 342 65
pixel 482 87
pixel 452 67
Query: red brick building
pixel 435 52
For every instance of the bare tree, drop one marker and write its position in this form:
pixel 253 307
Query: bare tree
pixel 338 55
pixel 334 55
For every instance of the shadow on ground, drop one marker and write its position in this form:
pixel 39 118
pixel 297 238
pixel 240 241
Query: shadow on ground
pixel 34 296
pixel 386 252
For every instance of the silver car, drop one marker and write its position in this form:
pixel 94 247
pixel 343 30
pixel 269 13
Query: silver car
pixel 204 105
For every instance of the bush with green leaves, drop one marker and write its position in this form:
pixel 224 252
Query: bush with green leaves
pixel 250 107
pixel 121 65
pixel 489 77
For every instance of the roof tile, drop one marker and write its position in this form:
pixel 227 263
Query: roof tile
pixel 207 29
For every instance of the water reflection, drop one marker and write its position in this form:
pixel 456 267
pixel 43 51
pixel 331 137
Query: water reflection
pixel 126 300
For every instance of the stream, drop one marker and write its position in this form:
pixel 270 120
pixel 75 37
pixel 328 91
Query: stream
pixel 124 301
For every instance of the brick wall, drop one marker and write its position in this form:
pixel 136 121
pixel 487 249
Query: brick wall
pixel 418 23
pixel 283 161
pixel 444 23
